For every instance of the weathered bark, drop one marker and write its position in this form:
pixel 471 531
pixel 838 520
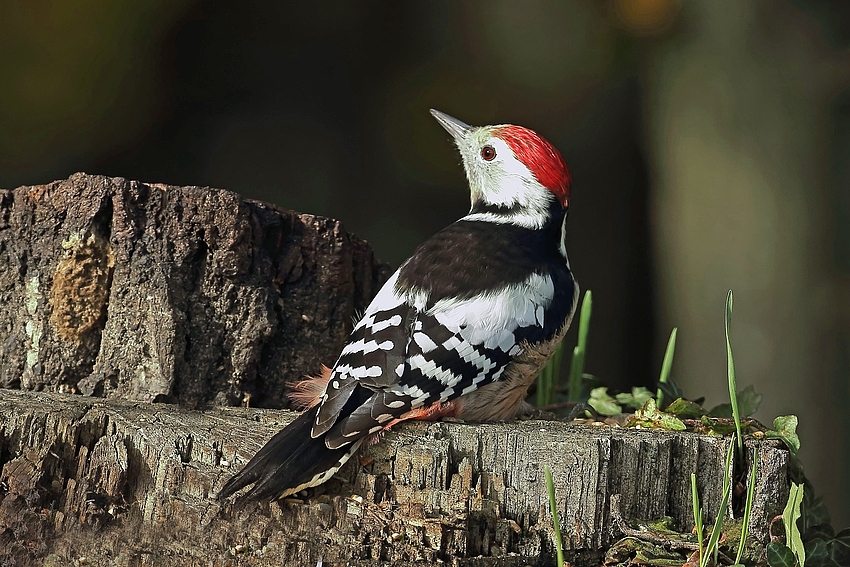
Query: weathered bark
pixel 129 483
pixel 193 295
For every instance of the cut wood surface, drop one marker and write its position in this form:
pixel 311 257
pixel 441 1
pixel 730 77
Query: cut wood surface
pixel 131 483
pixel 193 295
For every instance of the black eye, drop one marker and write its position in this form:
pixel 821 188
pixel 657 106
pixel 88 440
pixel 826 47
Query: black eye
pixel 488 153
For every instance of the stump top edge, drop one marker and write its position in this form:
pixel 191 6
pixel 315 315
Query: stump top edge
pixel 274 419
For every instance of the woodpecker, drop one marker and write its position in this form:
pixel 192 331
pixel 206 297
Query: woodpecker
pixel 460 330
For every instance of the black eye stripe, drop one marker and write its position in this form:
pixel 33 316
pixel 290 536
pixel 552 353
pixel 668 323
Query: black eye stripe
pixel 488 153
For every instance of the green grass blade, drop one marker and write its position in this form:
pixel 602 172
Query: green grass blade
pixel 549 378
pixel 697 513
pixel 666 365
pixel 576 371
pixel 557 357
pixel 718 521
pixel 577 366
pixel 553 510
pixel 748 507
pixel 730 373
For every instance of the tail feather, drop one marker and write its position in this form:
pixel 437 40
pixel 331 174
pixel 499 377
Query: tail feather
pixel 291 461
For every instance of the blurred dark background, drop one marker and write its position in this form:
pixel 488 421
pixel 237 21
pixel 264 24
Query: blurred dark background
pixel 709 144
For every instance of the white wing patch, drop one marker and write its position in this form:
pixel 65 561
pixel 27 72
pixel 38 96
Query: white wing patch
pixel 345 371
pixel 424 342
pixel 484 318
pixel 366 347
pixel 503 340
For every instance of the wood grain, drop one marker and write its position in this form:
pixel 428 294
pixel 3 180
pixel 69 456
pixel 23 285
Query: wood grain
pixel 130 483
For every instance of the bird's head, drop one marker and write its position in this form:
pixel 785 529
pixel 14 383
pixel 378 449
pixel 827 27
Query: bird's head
pixel 512 171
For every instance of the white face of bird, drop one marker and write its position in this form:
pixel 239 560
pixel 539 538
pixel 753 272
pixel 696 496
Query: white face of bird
pixel 499 177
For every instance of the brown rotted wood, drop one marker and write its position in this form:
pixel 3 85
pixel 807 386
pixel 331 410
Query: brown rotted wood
pixel 193 295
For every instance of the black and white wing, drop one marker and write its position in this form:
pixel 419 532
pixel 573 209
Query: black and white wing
pixel 410 351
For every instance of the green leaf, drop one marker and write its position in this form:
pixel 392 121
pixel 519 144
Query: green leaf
pixel 816 517
pixel 816 532
pixel 723 410
pixel 666 365
pixel 817 553
pixel 779 555
pixel 649 417
pixel 840 548
pixel 603 403
pixel 636 399
pixel 685 408
pixel 714 426
pixel 671 389
pixel 789 517
pixel 795 471
pixel 824 550
pixel 748 403
pixel 785 428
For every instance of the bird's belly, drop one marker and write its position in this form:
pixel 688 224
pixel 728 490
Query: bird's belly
pixel 503 399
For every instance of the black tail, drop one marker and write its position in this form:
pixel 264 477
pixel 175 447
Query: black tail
pixel 292 460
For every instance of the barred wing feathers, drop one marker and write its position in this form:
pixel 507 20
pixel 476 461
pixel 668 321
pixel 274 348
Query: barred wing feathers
pixel 406 353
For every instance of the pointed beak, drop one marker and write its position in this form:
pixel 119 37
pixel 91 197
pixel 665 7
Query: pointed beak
pixel 453 126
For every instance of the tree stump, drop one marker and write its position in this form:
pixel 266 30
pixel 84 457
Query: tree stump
pixel 189 295
pixel 134 293
pixel 133 483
